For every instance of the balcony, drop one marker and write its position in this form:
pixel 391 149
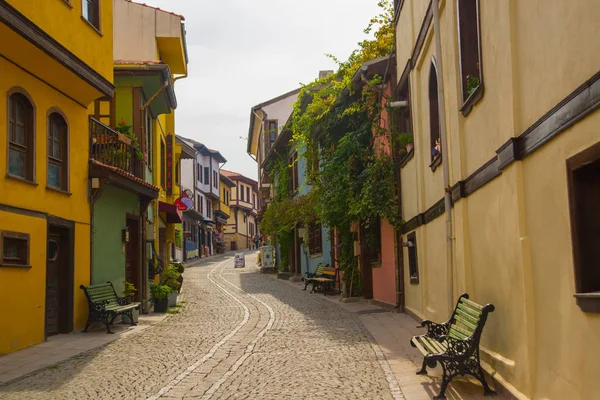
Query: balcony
pixel 114 149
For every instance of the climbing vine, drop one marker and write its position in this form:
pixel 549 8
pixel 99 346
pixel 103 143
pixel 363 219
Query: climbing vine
pixel 337 122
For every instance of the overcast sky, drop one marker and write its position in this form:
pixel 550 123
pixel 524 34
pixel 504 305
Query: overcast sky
pixel 245 52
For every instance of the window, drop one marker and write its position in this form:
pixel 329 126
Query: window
pixel 163 164
pixel 413 270
pixel 177 174
pixel 199 172
pixel 315 245
pixel 208 208
pixel 293 172
pixel 241 192
pixel 272 132
pixel 373 241
pixel 206 176
pixel 58 154
pixel 215 180
pixel 254 200
pixel 470 50
pixel 251 230
pixel 20 137
pixel 104 110
pixel 201 204
pixel 583 174
pixel 401 117
pixel 15 249
pixel 91 12
pixel 434 118
pixel 248 199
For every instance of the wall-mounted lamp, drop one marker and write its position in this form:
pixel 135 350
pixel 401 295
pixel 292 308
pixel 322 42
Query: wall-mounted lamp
pixel 408 244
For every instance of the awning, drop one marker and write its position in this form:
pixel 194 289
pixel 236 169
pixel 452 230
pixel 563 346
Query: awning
pixel 209 222
pixel 173 214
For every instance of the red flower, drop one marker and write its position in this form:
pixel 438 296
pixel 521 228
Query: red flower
pixel 122 122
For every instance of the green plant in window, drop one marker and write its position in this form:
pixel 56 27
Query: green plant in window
pixel 471 83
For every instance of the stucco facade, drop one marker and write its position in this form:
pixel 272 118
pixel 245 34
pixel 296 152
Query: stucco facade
pixel 241 226
pixel 508 144
pixel 44 210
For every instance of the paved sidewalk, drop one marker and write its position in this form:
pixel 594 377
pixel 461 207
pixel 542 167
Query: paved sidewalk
pixel 62 347
pixel 392 331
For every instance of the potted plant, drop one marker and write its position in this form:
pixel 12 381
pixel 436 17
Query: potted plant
pixel 125 130
pixel 170 278
pixel 129 293
pixel 406 140
pixel 160 294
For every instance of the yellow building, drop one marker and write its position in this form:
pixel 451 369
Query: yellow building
pixel 521 89
pixel 55 60
pixel 241 226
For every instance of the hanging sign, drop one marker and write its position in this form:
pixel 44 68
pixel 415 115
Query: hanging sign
pixel 185 202
pixel 169 164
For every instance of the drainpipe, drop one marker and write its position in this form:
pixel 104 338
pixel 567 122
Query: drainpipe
pixel 445 164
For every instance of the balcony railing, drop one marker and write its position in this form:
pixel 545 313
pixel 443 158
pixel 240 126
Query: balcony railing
pixel 113 148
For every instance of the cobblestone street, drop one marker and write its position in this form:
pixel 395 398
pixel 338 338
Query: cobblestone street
pixel 239 335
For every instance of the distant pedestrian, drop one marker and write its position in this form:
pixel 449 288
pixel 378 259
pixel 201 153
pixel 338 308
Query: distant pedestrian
pixel 256 241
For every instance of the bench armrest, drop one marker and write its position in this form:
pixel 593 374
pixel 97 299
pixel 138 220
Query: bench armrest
pixel 99 307
pixel 434 330
pixel 123 301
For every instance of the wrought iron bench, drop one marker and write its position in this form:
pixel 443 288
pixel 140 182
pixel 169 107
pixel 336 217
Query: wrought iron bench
pixel 105 305
pixel 321 279
pixel 455 343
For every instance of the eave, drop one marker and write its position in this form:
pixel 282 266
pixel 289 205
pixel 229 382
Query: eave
pixel 151 76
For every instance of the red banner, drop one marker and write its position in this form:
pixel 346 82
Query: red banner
pixel 169 164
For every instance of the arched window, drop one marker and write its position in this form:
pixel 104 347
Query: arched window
pixel 20 137
pixel 58 154
pixel 434 114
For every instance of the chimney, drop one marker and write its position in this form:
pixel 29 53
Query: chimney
pixel 325 74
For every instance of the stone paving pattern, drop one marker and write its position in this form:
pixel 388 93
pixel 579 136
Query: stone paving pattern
pixel 240 335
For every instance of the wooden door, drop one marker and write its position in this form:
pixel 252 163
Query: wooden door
pixel 132 255
pixel 52 284
pixel 366 268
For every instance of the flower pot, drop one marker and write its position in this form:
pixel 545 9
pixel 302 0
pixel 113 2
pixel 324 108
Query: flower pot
pixel 172 299
pixel 161 305
pixel 126 320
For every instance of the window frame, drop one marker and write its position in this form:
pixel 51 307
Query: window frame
pixel 95 23
pixel 315 246
pixel 64 164
pixel 15 236
pixel 206 176
pixel 413 259
pixel 199 172
pixel 29 131
pixel 587 300
pixel 469 99
pixel 437 159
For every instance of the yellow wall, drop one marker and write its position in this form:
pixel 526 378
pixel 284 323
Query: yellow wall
pixel 23 320
pixel 512 241
pixel 61 21
pixel 224 207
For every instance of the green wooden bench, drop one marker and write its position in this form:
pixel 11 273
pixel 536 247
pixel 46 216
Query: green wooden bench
pixel 455 343
pixel 321 279
pixel 105 305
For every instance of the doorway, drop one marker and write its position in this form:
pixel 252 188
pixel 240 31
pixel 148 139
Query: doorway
pixel 132 254
pixel 59 280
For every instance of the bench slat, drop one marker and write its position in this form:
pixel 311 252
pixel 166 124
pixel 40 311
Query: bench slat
pixel 468 317
pixel 466 309
pixel 462 330
pixel 418 346
pixel 427 345
pixel 456 334
pixel 465 322
pixel 439 348
pixel 474 305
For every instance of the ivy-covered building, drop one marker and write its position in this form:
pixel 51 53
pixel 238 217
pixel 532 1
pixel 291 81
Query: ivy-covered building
pixel 283 176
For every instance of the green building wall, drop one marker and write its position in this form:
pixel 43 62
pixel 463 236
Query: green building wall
pixel 109 219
